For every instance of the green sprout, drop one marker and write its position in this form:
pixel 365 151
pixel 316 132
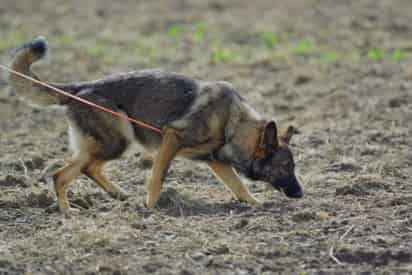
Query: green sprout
pixel 269 39
pixel 97 50
pixel 175 31
pixel 376 54
pixel 398 55
pixel 329 57
pixel 200 32
pixel 65 39
pixel 223 55
pixel 303 47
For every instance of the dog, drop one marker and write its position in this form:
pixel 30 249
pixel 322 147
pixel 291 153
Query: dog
pixel 201 121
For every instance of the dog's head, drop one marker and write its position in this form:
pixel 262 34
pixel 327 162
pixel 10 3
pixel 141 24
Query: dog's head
pixel 274 162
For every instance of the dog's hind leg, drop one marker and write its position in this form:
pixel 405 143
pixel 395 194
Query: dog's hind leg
pixel 229 177
pixel 168 150
pixel 94 172
pixel 64 177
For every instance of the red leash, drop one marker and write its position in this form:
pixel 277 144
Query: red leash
pixel 84 101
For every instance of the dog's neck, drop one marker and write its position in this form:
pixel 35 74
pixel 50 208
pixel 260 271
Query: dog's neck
pixel 245 146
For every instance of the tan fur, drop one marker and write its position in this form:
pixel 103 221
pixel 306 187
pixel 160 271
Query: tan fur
pixel 206 121
pixel 231 180
pixel 94 172
pixel 167 151
pixel 33 93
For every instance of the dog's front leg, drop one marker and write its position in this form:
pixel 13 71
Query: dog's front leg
pixel 230 178
pixel 168 150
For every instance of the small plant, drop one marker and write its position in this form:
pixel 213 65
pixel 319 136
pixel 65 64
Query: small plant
pixel 303 47
pixel 376 54
pixel 329 57
pixel 398 55
pixel 175 31
pixel 65 40
pixel 269 39
pixel 200 32
pixel 223 55
pixel 97 50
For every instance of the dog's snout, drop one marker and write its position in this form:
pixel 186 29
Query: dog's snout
pixel 296 194
pixel 294 189
pixel 290 186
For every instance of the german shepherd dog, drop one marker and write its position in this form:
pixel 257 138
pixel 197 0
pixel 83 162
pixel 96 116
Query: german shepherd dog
pixel 204 121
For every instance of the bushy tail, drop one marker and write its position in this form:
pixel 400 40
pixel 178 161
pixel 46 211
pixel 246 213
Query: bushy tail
pixel 25 56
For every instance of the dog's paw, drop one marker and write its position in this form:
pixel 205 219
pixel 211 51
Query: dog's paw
pixel 251 200
pixel 149 203
pixel 119 195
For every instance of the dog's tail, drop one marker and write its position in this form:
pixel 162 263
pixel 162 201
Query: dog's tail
pixel 25 56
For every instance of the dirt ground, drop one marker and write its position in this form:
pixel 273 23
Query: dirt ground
pixel 338 70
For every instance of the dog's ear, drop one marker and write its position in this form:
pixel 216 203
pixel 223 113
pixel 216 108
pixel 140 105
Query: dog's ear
pixel 286 136
pixel 270 136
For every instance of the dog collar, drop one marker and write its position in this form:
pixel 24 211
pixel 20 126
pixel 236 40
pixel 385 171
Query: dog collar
pixel 259 152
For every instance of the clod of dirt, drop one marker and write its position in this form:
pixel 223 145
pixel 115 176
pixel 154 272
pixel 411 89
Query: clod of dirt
pixel 169 197
pixel 13 180
pixel 268 205
pixel 10 202
pixel 21 165
pixel 53 208
pixel 43 199
pixel 305 216
pixel 303 77
pixel 380 257
pixel 186 272
pixel 217 249
pixel 10 268
pixel 138 225
pixel 362 188
pixel 343 167
pixel 397 102
pixel 404 200
pixel 373 184
pixel 35 162
pixel 201 258
pixel 109 270
pixel 145 163
pixel 271 252
pixel 188 174
pixel 13 165
pixel 315 141
pixel 380 240
pixel 177 203
pixel 281 106
pixel 151 267
pixel 407 222
pixel 355 190
pixel 369 149
pixel 241 224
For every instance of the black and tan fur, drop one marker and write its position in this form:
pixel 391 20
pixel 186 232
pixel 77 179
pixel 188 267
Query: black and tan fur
pixel 206 121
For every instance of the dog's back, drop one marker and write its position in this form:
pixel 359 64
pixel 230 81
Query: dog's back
pixel 153 96
pixel 205 121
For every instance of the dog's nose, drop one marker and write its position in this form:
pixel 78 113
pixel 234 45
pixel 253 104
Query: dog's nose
pixel 294 189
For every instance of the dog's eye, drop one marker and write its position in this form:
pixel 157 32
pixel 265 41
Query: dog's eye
pixel 283 171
